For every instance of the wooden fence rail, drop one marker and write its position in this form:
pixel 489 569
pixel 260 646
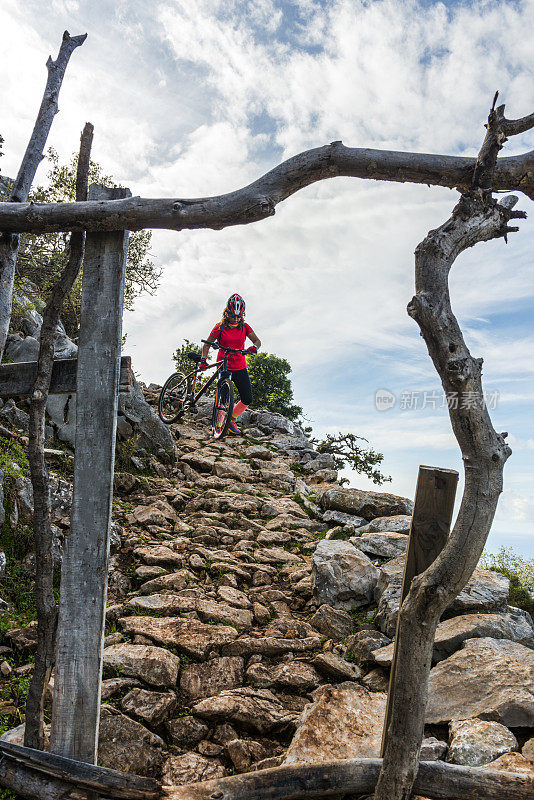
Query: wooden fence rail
pixel 17 380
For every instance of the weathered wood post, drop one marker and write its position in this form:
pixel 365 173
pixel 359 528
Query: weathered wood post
pixel 429 531
pixel 82 604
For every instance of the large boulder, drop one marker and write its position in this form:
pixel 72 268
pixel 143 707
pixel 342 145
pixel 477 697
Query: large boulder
pixel 400 523
pixel 365 503
pixel 451 633
pixel 254 709
pixel 381 545
pixel 489 678
pixel 153 434
pixel 190 768
pixel 154 665
pixel 151 707
pixel 342 576
pixel 192 637
pixel 476 742
pixel 345 721
pixel 485 591
pixel 198 681
pixel 128 746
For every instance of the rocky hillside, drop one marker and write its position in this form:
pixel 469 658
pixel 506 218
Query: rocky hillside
pixel 252 603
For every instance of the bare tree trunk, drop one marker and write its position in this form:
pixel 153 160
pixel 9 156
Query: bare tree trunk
pixel 476 218
pixel 9 242
pixel 42 531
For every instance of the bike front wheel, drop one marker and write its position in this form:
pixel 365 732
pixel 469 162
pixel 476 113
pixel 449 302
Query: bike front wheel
pixel 222 408
pixel 171 403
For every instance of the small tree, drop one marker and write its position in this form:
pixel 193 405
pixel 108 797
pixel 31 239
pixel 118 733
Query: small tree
pixel 41 257
pixel 182 363
pixel 346 451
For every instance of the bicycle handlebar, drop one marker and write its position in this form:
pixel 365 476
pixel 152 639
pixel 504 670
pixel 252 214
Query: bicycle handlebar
pixel 217 346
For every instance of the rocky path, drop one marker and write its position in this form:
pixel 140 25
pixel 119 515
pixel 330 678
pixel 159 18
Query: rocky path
pixel 252 602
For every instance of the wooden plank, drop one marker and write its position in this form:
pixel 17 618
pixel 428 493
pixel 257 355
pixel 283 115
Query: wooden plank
pixel 435 779
pixel 17 380
pixel 429 531
pixel 83 592
pixel 105 781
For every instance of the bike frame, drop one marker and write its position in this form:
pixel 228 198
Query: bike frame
pixel 221 371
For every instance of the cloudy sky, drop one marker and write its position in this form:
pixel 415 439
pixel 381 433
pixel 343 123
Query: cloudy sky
pixel 196 98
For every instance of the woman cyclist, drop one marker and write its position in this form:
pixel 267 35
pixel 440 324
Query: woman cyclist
pixel 232 332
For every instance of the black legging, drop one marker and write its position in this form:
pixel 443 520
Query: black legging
pixel 242 380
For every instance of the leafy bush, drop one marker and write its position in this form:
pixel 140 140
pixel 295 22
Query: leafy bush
pixel 271 385
pixel 519 571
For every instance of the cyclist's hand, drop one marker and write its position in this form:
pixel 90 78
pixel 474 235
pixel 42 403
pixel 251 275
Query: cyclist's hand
pixel 251 350
pixel 202 365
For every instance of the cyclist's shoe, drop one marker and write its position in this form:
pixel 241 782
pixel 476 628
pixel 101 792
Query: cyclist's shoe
pixel 232 428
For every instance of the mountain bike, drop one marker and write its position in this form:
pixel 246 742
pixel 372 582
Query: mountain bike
pixel 178 393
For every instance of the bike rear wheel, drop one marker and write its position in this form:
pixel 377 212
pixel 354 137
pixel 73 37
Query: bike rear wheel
pixel 171 403
pixel 222 408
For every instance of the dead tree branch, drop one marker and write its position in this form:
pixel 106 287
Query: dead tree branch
pixel 42 531
pixel 435 780
pixel 352 777
pixel 476 218
pixel 258 200
pixel 9 241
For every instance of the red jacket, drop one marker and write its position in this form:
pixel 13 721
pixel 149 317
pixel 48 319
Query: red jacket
pixel 232 337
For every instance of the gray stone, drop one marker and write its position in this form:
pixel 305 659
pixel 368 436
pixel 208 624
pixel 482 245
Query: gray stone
pixel 342 576
pixel 186 731
pixel 205 680
pixel 451 633
pixel 485 591
pixel 192 637
pixel 335 667
pixel 489 678
pixel 154 665
pixel 381 545
pixel 254 709
pixel 399 523
pixel 19 349
pixel 232 468
pixel 332 622
pixel 190 768
pixel 14 417
pixel 361 645
pixel 129 747
pixel 432 749
pixel 345 721
pixel 151 707
pixel 24 492
pixel 365 503
pixel 475 742
pixel 377 680
pixel 153 434
pixel 245 752
pixel 344 519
